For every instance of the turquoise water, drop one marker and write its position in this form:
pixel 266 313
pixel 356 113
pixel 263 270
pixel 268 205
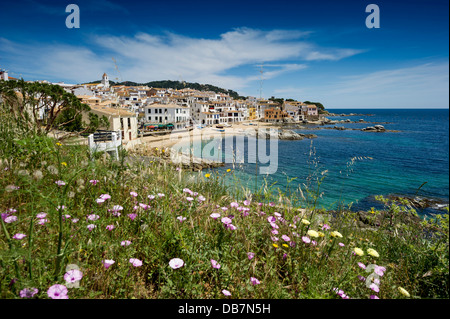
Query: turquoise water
pixel 402 161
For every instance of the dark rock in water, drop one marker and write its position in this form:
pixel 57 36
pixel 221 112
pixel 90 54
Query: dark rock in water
pixel 376 128
pixel 419 202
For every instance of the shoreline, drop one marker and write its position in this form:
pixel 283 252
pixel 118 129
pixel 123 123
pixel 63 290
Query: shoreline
pixel 168 140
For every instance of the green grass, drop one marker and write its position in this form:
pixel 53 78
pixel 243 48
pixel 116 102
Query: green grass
pixel 415 255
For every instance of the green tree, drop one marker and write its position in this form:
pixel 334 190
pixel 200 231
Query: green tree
pixel 42 107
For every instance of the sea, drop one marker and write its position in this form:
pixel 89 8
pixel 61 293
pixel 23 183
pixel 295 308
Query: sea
pixel 354 166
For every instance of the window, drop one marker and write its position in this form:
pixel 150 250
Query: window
pixel 129 122
pixel 149 118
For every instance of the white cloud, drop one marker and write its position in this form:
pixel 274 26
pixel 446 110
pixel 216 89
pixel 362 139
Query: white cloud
pixel 145 57
pixel 424 85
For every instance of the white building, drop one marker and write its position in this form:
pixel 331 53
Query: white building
pixel 177 115
pixel 105 80
pixel 3 75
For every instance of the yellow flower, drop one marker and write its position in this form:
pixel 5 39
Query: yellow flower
pixel 64 163
pixel 336 234
pixel 284 245
pixel 207 175
pixel 404 292
pixel 306 222
pixel 358 251
pixel 275 245
pixel 321 234
pixel 229 170
pixel 313 233
pixel 157 149
pixel 372 210
pixel 58 144
pixel 373 252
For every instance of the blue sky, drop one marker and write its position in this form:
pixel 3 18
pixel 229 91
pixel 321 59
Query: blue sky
pixel 310 50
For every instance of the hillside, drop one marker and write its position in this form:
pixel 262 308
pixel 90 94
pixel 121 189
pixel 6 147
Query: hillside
pixel 178 85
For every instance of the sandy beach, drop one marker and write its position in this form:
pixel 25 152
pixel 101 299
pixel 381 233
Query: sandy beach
pixel 169 140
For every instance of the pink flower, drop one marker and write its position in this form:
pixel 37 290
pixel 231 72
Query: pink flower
pixel 274 238
pixel 73 275
pixel 215 215
pixel 93 217
pixel 144 206
pixel 116 208
pixel 234 205
pixel 274 231
pixel 274 225
pixel 254 281
pixel 306 239
pixel 373 297
pixel 374 287
pixel 105 196
pixel 75 220
pixel 285 238
pixel 215 264
pixel 189 199
pixel 226 292
pixel 379 270
pixel 187 190
pixel 250 255
pixel 60 183
pixel 42 221
pixel 19 236
pixel 93 182
pixel 100 200
pixel 28 292
pixel 226 220
pixel 135 262
pixel 132 216
pixel 201 198
pixel 326 226
pixel 125 243
pixel 176 263
pixel 41 215
pixel 246 202
pixel 57 292
pixel 160 195
pixel 181 218
pixel 341 244
pixel 10 219
pixel 91 227
pixel 271 204
pixel 151 197
pixel 361 265
pixel 134 194
pixel 62 207
pixel 224 209
pixel 110 227
pixel 108 263
pixel 277 214
pixel 271 219
pixel 230 226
